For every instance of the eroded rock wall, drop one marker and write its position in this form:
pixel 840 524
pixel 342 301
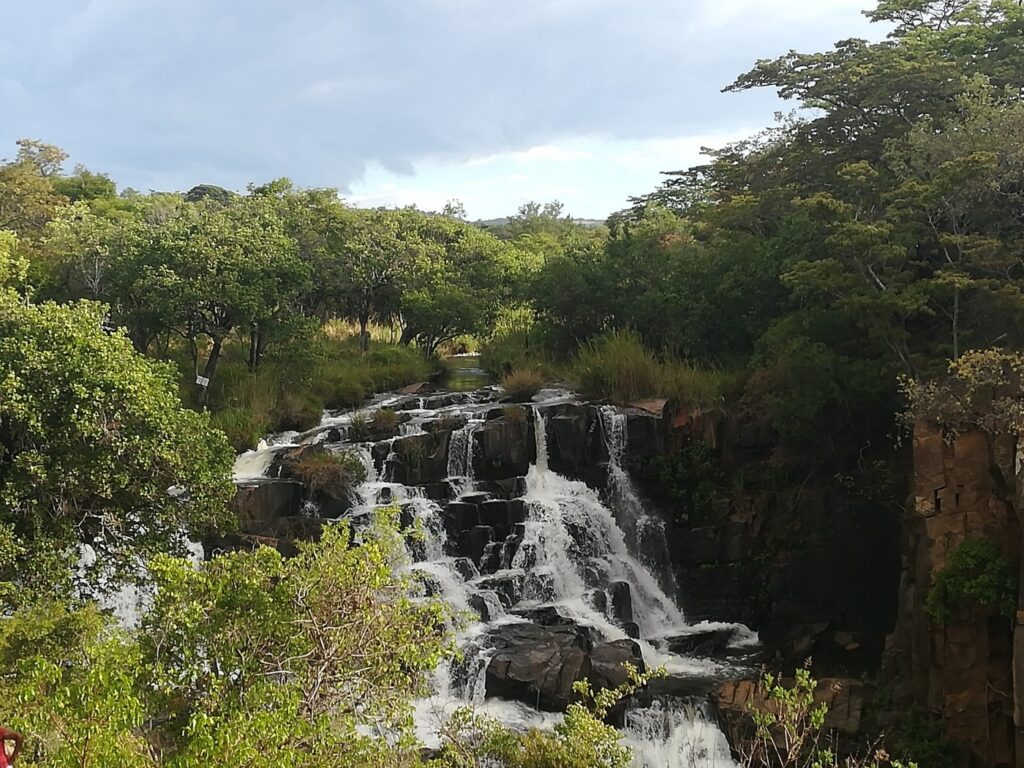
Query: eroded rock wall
pixel 961 670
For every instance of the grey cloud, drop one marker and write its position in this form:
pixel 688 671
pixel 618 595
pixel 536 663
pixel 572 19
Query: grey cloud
pixel 160 93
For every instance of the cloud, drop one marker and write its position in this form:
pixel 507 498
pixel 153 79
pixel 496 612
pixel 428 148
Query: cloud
pixel 166 94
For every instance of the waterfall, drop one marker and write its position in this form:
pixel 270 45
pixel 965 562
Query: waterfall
pixel 675 734
pixel 576 545
pixel 645 533
pixel 460 458
pixel 574 552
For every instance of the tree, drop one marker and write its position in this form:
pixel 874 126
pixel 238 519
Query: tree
pixel 95 447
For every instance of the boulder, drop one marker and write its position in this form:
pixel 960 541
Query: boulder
pixel 538 664
pixel 708 642
pixel 260 505
pixel 419 459
pixel 574 444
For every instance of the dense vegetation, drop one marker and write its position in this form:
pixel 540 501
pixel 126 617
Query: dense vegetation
pixel 867 245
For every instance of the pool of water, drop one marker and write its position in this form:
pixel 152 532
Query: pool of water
pixel 465 374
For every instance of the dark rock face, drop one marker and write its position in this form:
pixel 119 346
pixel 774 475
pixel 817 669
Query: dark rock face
pixel 713 642
pixel 968 669
pixel 805 562
pixel 575 442
pixel 260 506
pixel 621 602
pixel 538 664
pixel 419 459
pixel 505 446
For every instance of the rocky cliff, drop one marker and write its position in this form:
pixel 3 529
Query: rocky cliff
pixel 967 669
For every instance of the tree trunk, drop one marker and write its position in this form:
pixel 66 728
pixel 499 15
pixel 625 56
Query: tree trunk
pixel 364 334
pixel 209 370
pixel 956 323
pixel 408 334
pixel 254 335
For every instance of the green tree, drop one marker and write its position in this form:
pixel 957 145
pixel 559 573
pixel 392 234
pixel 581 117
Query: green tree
pixel 95 447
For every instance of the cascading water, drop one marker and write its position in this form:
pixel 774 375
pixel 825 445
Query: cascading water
pixel 569 552
pixel 645 533
pixel 460 458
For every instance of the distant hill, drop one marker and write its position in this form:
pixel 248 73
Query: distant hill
pixel 501 222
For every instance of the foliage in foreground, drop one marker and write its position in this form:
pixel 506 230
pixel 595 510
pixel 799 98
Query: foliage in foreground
pixel 582 740
pixel 95 447
pixel 789 730
pixel 313 660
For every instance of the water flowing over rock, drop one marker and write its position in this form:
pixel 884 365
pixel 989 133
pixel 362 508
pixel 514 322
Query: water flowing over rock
pixel 531 524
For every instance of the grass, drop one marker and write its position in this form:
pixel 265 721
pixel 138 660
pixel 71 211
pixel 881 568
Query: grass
pixel 619 368
pixel 333 474
pixel 385 421
pixel 294 385
pixel 521 385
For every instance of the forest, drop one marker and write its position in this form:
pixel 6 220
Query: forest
pixel 854 267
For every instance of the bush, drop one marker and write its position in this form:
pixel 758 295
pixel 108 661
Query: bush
pixel 789 730
pixel 975 574
pixel 385 421
pixel 523 384
pixel 332 474
pixel 618 367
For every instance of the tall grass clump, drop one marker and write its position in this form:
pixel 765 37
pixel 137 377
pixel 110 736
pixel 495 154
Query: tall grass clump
pixel 523 384
pixel 333 474
pixel 513 345
pixel 618 367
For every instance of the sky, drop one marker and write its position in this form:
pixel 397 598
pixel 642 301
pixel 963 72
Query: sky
pixel 399 102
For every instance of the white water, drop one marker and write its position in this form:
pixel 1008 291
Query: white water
pixel 574 545
pixel 645 533
pixel 574 536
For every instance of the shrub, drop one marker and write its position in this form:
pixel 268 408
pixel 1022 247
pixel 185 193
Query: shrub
pixel 523 384
pixel 384 421
pixel 618 367
pixel 975 574
pixel 789 729
pixel 332 474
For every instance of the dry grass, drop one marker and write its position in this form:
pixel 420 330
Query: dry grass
pixel 523 384
pixel 333 474
pixel 618 367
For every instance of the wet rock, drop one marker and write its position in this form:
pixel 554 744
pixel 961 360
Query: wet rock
pixel 609 660
pixel 260 505
pixel 419 459
pixel 621 601
pixel 484 607
pixel 509 549
pixel 495 512
pixel 465 568
pixel 460 516
pixel 574 439
pixel 518 511
pixel 538 664
pixel 508 488
pixel 508 587
pixel 632 629
pixel 598 598
pixel 644 435
pixel 473 543
pixel 476 497
pixel 505 448
pixel 708 642
pixel 490 561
